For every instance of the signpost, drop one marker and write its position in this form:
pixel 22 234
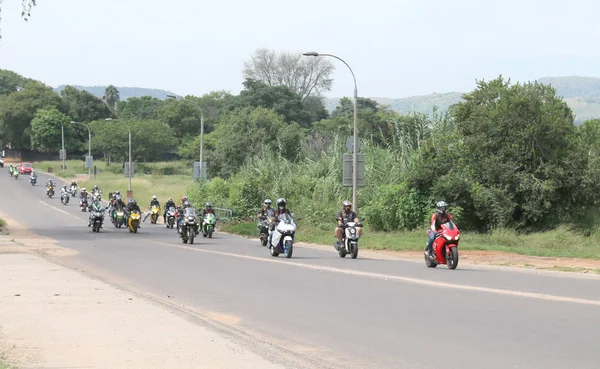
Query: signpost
pixel 197 171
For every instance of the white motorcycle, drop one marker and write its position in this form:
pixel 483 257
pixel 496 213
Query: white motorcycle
pixel 73 190
pixel 350 240
pixel 282 237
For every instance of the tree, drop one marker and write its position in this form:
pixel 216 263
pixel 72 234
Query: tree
pixel 111 97
pixel 279 98
pixel 246 132
pixel 149 139
pixel 18 108
pixel 303 75
pixel 11 82
pixel 83 106
pixel 27 5
pixel 145 107
pixel 46 133
pixel 512 158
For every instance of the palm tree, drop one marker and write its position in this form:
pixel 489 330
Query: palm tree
pixel 111 97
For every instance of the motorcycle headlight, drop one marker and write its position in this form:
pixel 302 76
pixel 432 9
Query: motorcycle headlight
pixel 457 237
pixel 353 231
pixel 190 218
pixel 448 238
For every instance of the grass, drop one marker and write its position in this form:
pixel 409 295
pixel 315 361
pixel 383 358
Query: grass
pixel 560 242
pixel 144 186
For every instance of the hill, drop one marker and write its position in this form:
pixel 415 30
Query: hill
pixel 124 92
pixel 582 94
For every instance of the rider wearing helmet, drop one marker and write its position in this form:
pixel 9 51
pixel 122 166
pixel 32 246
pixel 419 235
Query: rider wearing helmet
pixel 131 206
pixel 170 203
pixel 279 210
pixel 207 209
pixel 153 202
pixel 266 211
pixel 438 218
pixel 343 217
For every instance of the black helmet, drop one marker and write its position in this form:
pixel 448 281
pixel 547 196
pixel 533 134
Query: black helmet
pixel 281 203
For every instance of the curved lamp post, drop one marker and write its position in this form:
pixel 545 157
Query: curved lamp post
pixel 355 139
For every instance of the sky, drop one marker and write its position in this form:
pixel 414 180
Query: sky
pixel 396 48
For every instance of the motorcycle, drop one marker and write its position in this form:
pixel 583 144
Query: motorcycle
pixel 16 173
pixel 349 240
pixel 263 231
pixel 119 218
pixel 50 191
pixel 97 216
pixel 188 225
pixel 208 225
pixel 10 171
pixel 282 237
pixel 445 247
pixel 95 195
pixel 171 216
pixel 83 204
pixel 1 163
pixel 32 180
pixel 133 221
pixel 154 212
pixel 73 190
pixel 64 198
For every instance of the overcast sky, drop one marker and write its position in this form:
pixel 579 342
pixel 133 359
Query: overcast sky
pixel 397 48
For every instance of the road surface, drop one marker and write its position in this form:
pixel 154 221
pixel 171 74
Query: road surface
pixel 318 310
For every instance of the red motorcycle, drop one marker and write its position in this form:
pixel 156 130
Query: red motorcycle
pixel 445 247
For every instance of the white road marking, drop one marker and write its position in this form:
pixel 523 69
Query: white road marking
pixel 533 295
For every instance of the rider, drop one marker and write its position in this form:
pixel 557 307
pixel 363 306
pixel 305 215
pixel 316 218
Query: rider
pixel 131 206
pixel 96 200
pixel 153 202
pixel 343 217
pixel 33 175
pixel 438 218
pixel 73 183
pixel 207 210
pixel 49 183
pixel 265 213
pixel 170 203
pixel 184 204
pixel 281 209
pixel 83 194
pixel 63 191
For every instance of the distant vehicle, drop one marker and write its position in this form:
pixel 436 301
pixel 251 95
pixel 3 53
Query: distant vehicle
pixel 1 162
pixel 25 168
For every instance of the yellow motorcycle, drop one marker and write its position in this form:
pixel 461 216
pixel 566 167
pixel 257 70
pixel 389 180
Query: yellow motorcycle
pixel 133 221
pixel 154 213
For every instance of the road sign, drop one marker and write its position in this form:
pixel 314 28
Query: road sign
pixel 350 144
pixel 197 171
pixel 63 154
pixel 89 161
pixel 347 170
pixel 126 169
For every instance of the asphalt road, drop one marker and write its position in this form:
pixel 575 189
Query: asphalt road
pixel 333 312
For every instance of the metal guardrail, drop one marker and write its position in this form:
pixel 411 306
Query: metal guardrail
pixel 224 214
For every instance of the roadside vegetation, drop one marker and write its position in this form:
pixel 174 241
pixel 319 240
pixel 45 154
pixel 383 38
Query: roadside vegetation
pixel 518 174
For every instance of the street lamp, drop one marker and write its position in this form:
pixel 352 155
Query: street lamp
pixel 355 139
pixel 129 129
pixel 89 146
pixel 201 132
pixel 62 135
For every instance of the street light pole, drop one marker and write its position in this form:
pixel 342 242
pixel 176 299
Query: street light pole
pixel 355 138
pixel 129 129
pixel 62 134
pixel 89 146
pixel 201 132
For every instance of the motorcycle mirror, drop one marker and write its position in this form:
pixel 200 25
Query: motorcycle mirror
pixel 299 219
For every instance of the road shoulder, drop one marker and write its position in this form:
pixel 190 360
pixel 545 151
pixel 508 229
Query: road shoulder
pixel 53 316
